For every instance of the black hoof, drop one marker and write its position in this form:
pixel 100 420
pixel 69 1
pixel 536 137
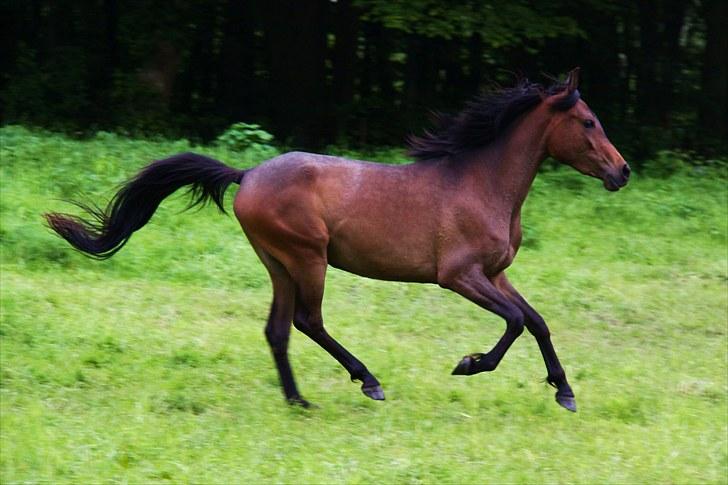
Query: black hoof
pixel 467 365
pixel 299 401
pixel 374 392
pixel 567 402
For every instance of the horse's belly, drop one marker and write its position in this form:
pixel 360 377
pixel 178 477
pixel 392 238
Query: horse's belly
pixel 384 260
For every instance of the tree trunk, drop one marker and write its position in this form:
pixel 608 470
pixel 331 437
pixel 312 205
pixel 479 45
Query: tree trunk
pixel 419 78
pixel 346 34
pixel 714 106
pixel 674 21
pixel 296 37
pixel 104 59
pixel 475 63
pixel 648 99
pixel 238 96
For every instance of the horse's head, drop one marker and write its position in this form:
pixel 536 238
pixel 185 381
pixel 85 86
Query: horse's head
pixel 576 137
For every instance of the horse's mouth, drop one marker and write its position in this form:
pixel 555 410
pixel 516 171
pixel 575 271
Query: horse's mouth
pixel 613 184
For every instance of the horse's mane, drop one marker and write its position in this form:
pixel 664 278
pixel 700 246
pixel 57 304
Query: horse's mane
pixel 484 119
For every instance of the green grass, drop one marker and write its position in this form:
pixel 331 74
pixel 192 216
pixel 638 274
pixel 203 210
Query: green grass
pixel 152 366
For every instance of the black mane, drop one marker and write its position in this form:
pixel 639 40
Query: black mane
pixel 483 120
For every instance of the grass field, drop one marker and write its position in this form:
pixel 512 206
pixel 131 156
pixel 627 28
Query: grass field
pixel 153 367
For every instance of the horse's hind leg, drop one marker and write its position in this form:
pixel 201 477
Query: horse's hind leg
pixel 308 319
pixel 278 328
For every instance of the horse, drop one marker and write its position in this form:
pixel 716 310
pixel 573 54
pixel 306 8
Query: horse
pixel 452 217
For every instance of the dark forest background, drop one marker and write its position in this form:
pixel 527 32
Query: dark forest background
pixel 360 73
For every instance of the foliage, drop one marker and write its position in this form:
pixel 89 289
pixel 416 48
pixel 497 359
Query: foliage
pixel 153 367
pixel 251 137
pixel 668 163
pixel 500 23
pixel 361 72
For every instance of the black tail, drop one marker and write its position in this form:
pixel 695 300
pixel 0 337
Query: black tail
pixel 136 201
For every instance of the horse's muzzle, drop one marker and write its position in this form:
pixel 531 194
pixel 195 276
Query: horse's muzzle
pixel 615 181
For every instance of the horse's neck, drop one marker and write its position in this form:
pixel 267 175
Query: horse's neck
pixel 511 166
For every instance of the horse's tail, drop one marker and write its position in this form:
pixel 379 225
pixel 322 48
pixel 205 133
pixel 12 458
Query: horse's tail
pixel 133 205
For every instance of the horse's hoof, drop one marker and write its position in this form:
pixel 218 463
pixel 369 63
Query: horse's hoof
pixel 374 392
pixel 465 367
pixel 299 401
pixel 566 401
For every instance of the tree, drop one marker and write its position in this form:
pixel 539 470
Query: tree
pixel 714 96
pixel 358 72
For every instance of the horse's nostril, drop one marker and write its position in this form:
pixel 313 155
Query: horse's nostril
pixel 626 171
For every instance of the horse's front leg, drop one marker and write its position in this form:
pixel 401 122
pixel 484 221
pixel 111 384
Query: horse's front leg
pixel 537 326
pixel 472 283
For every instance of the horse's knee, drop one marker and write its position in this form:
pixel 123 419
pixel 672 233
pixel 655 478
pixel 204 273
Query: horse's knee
pixel 515 321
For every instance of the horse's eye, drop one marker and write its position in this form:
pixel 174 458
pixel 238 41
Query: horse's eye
pixel 588 123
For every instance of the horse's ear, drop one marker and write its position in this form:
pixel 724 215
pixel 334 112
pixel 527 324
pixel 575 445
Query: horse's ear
pixel 572 80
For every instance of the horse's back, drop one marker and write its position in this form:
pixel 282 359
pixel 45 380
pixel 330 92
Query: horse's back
pixel 372 219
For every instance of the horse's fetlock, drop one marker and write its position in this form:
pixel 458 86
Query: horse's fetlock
pixel 360 373
pixel 487 364
pixel 558 380
pixel 564 390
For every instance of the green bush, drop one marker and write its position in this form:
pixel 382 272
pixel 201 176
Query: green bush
pixel 249 138
pixel 665 164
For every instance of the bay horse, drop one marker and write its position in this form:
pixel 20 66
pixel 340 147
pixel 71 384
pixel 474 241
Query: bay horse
pixel 451 218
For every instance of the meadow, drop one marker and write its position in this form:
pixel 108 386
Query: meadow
pixel 152 367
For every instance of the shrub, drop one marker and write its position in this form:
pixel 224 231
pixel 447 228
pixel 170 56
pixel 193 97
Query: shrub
pixel 248 137
pixel 665 164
